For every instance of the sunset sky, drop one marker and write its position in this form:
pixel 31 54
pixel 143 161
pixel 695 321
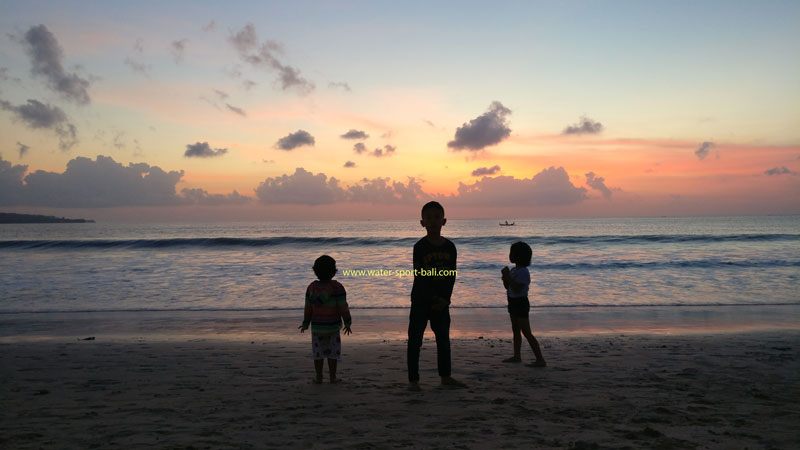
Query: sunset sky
pixel 124 111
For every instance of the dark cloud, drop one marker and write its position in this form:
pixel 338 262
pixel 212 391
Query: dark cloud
pixel 584 126
pixel 294 140
pixel 46 55
pixel 90 184
pixel 203 150
pixel 301 187
pixel 598 183
pixel 37 115
pixel 359 148
pixel 237 110
pixel 482 171
pixel 202 197
pixel 221 95
pixel 355 134
pixel 349 164
pixel 340 85
pixel 783 170
pixel 550 187
pixel 487 129
pixel 246 43
pixel 387 150
pixel 704 149
pixel 23 149
pixel 178 49
pixel 429 123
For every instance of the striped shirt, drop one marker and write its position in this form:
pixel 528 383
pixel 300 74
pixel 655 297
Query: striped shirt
pixel 326 307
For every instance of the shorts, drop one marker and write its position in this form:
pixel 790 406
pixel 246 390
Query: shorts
pixel 519 307
pixel 326 346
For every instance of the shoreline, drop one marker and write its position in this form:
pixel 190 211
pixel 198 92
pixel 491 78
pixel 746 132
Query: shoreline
pixel 379 324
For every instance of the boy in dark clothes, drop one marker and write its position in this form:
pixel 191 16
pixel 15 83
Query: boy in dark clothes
pixel 434 277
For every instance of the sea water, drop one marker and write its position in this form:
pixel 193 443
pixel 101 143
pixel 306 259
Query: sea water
pixel 659 262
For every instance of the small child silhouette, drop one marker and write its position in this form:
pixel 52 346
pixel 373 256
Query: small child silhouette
pixel 326 308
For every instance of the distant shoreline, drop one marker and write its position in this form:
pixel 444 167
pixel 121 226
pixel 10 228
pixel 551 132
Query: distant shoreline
pixel 34 218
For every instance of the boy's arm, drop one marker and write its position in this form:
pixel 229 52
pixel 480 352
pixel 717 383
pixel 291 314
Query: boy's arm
pixel 508 281
pixel 306 312
pixel 447 290
pixel 342 308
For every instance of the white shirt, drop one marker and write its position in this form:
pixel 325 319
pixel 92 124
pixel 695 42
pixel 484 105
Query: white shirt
pixel 523 277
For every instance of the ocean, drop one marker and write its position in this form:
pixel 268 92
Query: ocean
pixel 625 262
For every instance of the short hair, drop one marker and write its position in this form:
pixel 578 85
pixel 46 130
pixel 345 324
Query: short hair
pixel 325 267
pixel 432 205
pixel 520 253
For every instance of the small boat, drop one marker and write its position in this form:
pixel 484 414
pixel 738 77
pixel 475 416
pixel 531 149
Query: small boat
pixel 507 224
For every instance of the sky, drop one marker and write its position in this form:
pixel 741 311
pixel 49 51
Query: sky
pixel 206 111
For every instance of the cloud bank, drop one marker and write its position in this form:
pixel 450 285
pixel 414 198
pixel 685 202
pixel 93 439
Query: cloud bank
pixel 488 129
pixel 46 56
pixel 550 187
pixel 355 134
pixel 598 183
pixel 101 183
pixel 783 170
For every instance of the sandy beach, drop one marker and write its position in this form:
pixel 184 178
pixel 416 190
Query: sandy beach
pixel 600 391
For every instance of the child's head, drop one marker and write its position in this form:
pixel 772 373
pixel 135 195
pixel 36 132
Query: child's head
pixel 520 254
pixel 433 217
pixel 325 268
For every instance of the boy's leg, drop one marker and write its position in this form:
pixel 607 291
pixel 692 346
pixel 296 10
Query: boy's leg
pixel 440 324
pixel 517 339
pixel 525 327
pixel 417 322
pixel 332 364
pixel 318 364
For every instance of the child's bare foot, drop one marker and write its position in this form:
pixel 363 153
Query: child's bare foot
pixel 317 380
pixel 413 386
pixel 537 363
pixel 335 380
pixel 452 382
pixel 513 359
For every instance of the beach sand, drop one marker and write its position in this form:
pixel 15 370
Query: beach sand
pixel 600 391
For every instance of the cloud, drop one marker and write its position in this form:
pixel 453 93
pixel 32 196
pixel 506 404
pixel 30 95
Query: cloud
pixel 485 130
pixel 210 26
pixel 137 65
pixel 355 134
pixel 294 140
pixel 783 170
pixel 387 150
pixel 304 187
pixel 359 148
pixel 550 187
pixel 178 49
pixel 237 110
pixel 704 149
pixel 301 187
pixel 37 115
pixel 349 164
pixel 245 41
pixel 340 85
pixel 482 171
pixel 90 184
pixel 385 191
pixel 203 150
pixel 584 126
pixel 220 94
pixel 202 197
pixel 23 149
pixel 46 55
pixel 598 183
